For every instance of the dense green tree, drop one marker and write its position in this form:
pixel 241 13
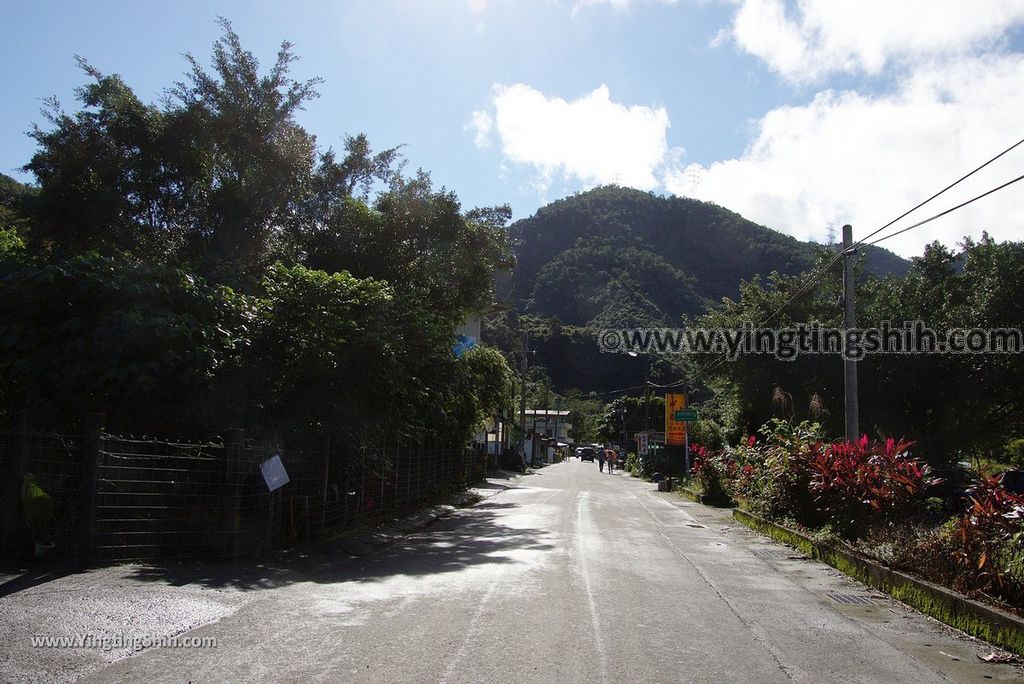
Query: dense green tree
pixel 142 342
pixel 598 284
pixel 213 175
pixel 335 282
pixel 444 257
pixel 16 201
pixel 633 412
pixel 952 405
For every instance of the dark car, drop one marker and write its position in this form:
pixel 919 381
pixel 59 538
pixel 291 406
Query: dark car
pixel 1012 481
pixel 587 454
pixel 954 486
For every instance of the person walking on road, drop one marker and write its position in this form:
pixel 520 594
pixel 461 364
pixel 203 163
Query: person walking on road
pixel 612 457
pixel 601 457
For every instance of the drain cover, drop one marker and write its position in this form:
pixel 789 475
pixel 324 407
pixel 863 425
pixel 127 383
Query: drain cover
pixel 853 599
pixel 772 554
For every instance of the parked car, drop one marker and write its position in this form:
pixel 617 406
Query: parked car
pixel 955 482
pixel 1012 481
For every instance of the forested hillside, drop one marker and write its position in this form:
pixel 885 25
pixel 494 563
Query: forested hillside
pixel 618 256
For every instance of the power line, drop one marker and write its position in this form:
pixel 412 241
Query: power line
pixel 814 277
pixel 620 391
pixel 940 192
pixel 817 275
pixel 947 211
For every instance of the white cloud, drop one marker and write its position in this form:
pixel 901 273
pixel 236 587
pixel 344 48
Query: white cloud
pixel 481 123
pixel 591 140
pixel 853 158
pixel 817 37
pixel 618 5
pixel 844 157
pixel 719 39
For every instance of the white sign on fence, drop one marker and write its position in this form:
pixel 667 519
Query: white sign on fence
pixel 274 473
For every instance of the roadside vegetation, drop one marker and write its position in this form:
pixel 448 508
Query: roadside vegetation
pixel 204 262
pixel 879 499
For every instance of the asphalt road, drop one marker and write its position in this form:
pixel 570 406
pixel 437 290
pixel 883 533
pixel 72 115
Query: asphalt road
pixel 573 576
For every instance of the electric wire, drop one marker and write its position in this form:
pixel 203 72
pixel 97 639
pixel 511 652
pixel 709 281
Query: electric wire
pixel 947 211
pixel 814 277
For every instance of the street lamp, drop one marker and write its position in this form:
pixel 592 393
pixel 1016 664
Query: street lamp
pixel 522 400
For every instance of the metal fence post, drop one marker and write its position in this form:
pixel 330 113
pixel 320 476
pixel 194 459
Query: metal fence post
pixel 234 451
pixel 92 455
pixel 327 471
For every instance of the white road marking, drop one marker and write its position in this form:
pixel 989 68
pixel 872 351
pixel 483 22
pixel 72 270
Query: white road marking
pixel 460 652
pixel 584 572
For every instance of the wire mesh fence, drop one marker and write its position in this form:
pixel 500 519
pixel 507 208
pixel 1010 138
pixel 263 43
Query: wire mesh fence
pixel 41 476
pixel 123 498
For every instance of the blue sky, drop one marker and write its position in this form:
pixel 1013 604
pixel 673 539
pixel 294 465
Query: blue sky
pixel 799 115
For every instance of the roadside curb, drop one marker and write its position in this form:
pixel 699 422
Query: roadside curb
pixel 689 493
pixel 956 610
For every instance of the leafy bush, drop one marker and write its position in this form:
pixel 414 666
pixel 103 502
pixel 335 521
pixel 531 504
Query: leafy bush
pixel 715 474
pixel 794 474
pixel 1015 453
pixel 320 344
pixel 776 476
pixel 982 551
pixel 706 432
pixel 40 512
pixel 634 465
pixel 112 333
pixel 860 484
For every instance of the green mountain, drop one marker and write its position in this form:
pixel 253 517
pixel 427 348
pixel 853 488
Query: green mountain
pixel 620 256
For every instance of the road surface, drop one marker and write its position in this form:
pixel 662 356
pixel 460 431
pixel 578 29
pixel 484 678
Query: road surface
pixel 573 576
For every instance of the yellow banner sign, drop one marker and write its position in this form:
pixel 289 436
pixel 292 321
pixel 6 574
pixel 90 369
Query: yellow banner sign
pixel 675 430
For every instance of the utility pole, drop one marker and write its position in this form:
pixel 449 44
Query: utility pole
pixel 646 408
pixel 547 419
pixel 647 413
pixel 558 412
pixel 686 444
pixel 522 399
pixel 849 323
pixel 625 435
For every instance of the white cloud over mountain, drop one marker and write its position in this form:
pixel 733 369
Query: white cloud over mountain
pixel 950 98
pixel 846 157
pixel 591 140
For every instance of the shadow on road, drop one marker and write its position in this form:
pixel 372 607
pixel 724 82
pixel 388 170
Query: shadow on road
pixel 25 576
pixel 477 536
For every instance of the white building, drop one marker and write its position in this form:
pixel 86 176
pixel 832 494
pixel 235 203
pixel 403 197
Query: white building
pixel 546 430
